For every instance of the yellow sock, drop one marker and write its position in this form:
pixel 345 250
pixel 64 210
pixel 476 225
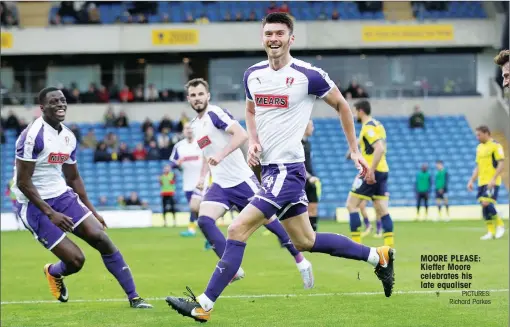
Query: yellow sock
pixel 192 226
pixel 388 239
pixel 356 237
pixel 490 226
pixel 499 221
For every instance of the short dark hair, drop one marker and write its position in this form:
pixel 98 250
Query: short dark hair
pixel 279 18
pixel 484 129
pixel 502 58
pixel 42 94
pixel 364 106
pixel 196 82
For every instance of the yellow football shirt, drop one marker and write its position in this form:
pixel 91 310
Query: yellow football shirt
pixel 487 156
pixel 371 132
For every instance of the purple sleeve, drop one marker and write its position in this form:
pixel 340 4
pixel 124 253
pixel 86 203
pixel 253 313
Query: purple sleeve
pixel 27 147
pixel 319 82
pixel 222 121
pixel 174 156
pixel 247 75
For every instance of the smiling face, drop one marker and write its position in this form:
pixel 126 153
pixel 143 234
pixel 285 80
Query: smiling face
pixel 277 39
pixel 54 107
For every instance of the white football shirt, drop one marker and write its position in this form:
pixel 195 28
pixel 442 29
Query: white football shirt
pixel 284 101
pixel 49 149
pixel 212 137
pixel 191 165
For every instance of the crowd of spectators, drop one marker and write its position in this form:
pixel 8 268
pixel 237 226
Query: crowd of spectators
pixel 158 139
pixel 132 202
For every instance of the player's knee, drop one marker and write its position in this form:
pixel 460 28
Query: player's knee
pixel 76 262
pixel 203 222
pixel 103 243
pixel 237 231
pixel 351 207
pixel 305 243
pixel 485 204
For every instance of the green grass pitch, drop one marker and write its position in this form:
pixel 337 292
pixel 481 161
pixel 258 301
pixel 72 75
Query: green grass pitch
pixel 346 293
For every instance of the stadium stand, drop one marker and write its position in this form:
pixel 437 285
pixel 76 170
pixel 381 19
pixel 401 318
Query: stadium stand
pixel 455 146
pixel 213 11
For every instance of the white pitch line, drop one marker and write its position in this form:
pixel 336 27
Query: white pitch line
pixel 257 296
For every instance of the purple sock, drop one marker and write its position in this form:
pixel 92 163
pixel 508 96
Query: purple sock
pixel 120 270
pixel 58 270
pixel 378 226
pixel 366 222
pixel 213 234
pixel 226 269
pixel 340 246
pixel 276 228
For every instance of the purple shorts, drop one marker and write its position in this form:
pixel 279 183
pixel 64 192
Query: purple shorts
pixel 196 193
pixel 283 191
pixel 40 225
pixel 236 197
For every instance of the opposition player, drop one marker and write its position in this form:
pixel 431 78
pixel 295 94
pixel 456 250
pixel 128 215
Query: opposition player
pixel 441 186
pixel 280 95
pixel 423 185
pixel 51 205
pixel 220 137
pixel 311 179
pixel 502 60
pixel 489 166
pixel 187 156
pixel 372 139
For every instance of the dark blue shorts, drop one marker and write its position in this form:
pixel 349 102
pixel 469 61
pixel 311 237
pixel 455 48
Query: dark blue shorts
pixel 441 195
pixel 377 191
pixel 485 195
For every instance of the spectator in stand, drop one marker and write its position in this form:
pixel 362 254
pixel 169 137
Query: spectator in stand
pixel 272 8
pixel 94 17
pixel 103 95
pixel 353 89
pixel 149 136
pixel 151 93
pixel 111 141
pixel 103 202
pixel 146 124
pixel 153 153
pixel 7 15
pixel 182 121
pixel 335 15
pixel 56 20
pixel 122 120
pixel 361 93
pixel 123 153
pixel 284 8
pixel 227 17
pixel 138 93
pixel 165 123
pixel 109 117
pixel 165 18
pixel 77 133
pixel 102 154
pixel 139 153
pixel 91 95
pixel 12 122
pixel 252 17
pixel 202 19
pixel 142 19
pixel 189 18
pixel 133 200
pixel 121 202
pixel 165 144
pixel 125 95
pixel 164 96
pixel 89 141
pixel 417 119
pixel 75 96
pixel 239 17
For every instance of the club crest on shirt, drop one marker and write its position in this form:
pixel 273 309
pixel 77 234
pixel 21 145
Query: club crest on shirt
pixel 289 81
pixel 67 140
